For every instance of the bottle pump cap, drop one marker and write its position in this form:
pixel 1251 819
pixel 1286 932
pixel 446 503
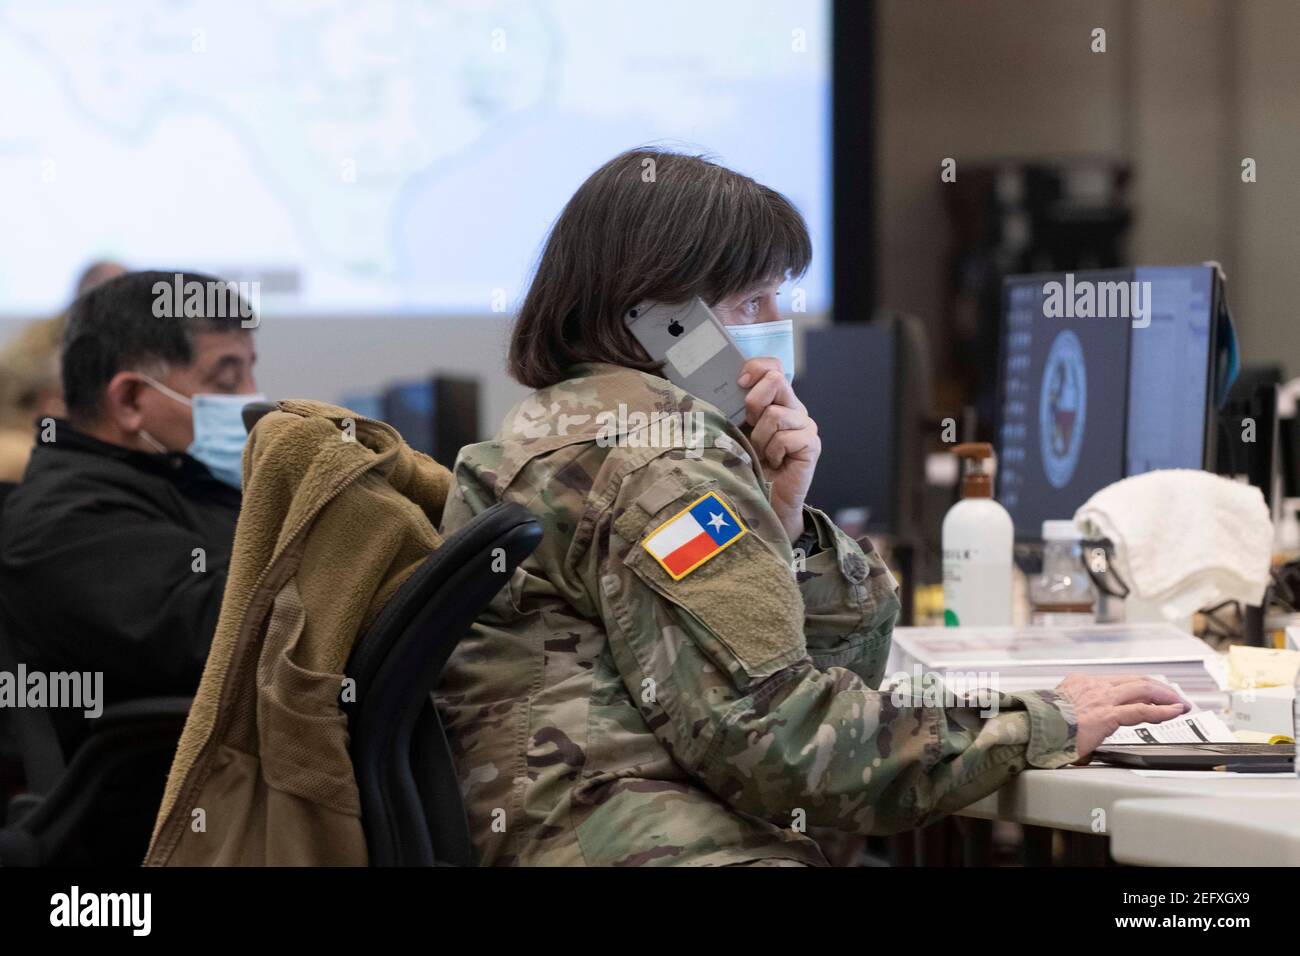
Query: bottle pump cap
pixel 976 483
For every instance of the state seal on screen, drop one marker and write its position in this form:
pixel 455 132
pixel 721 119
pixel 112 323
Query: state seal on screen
pixel 1062 408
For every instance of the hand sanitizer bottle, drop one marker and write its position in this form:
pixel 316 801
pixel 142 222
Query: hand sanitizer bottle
pixel 977 540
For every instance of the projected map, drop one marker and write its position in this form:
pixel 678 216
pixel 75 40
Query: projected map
pixel 368 157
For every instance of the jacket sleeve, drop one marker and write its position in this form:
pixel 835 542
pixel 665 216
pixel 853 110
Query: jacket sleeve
pixel 122 592
pixel 850 600
pixel 718 660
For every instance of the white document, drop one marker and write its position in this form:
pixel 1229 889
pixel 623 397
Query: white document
pixel 1201 727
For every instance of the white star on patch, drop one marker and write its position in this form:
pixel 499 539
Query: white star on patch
pixel 717 521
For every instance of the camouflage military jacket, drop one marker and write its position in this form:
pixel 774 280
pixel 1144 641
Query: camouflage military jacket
pixel 616 708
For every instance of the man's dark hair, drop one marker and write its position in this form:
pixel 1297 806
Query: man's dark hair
pixel 133 321
pixel 648 225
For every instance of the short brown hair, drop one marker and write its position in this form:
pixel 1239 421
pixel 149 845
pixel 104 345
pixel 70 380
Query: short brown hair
pixel 648 225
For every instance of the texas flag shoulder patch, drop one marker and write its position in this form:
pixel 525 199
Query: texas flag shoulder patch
pixel 700 531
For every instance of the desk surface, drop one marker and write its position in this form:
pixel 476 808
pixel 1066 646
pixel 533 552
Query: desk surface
pixel 1225 820
pixel 1067 799
pixel 1207 831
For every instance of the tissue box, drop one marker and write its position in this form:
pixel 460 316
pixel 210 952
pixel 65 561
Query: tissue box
pixel 1265 709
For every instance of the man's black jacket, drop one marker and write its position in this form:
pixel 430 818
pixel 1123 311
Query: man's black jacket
pixel 98 556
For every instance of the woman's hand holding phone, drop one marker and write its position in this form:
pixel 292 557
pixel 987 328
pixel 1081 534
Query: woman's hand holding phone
pixel 784 436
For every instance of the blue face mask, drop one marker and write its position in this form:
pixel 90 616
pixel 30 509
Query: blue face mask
pixel 772 339
pixel 219 434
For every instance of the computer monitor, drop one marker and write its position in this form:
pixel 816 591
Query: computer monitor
pixel 850 370
pixel 1064 396
pixel 437 415
pixel 1170 404
pixel 1253 442
pixel 867 385
pixel 365 404
pixel 1104 374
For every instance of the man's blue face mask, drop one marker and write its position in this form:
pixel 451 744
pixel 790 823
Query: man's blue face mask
pixel 219 433
pixel 774 339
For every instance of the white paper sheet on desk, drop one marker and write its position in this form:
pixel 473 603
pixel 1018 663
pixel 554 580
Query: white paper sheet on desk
pixel 1216 774
pixel 1202 727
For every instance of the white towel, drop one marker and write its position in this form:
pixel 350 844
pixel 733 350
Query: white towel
pixel 1184 539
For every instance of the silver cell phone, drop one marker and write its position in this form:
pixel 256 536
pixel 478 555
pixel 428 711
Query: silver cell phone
pixel 699 355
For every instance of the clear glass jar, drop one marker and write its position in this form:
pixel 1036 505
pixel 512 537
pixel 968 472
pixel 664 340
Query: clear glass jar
pixel 1063 593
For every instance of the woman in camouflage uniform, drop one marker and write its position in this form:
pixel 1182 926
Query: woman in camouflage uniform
pixel 613 709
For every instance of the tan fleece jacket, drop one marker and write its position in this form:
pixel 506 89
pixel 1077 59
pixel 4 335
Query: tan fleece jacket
pixel 335 517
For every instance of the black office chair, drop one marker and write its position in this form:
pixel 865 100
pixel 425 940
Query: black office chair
pixel 411 805
pixel 55 821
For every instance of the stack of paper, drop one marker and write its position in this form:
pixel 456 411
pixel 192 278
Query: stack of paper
pixel 1032 658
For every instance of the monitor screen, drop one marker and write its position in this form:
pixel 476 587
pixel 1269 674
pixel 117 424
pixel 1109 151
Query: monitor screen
pixel 1169 370
pixel 851 368
pixel 410 407
pixel 359 158
pixel 1064 389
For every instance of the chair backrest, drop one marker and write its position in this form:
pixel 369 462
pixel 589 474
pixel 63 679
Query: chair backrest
pixel 93 805
pixel 38 740
pixel 252 413
pixel 411 803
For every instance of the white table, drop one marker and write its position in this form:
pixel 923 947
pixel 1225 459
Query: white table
pixel 1237 820
pixel 1207 831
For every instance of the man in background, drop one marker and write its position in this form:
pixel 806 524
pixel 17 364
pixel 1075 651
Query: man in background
pixel 114 548
pixel 30 389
